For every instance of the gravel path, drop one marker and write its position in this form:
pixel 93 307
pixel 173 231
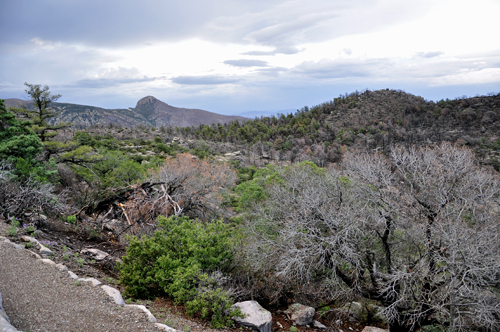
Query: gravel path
pixel 40 298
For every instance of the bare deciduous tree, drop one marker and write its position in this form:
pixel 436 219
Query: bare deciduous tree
pixel 182 185
pixel 418 231
pixel 196 185
pixel 19 197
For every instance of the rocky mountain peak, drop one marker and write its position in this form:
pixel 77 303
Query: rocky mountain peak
pixel 148 100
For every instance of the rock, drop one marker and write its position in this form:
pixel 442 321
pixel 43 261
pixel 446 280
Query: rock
pixel 255 316
pixel 26 238
pixel 4 320
pixel 15 245
pixel 164 327
pixel 44 251
pixel 300 314
pixel 233 154
pixel 37 256
pixel 353 309
pixel 370 312
pixel 48 262
pixel 2 311
pixel 114 294
pixel 96 254
pixel 148 313
pixel 318 325
pixel 373 329
pixel 61 267
pixel 73 275
pixel 93 281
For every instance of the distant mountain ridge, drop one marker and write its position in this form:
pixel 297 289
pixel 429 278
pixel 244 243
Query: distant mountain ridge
pixel 149 111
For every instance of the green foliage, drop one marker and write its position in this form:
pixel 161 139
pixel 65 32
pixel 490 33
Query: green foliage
pixel 80 262
pixel 17 140
pixel 177 260
pixel 71 219
pixel 253 190
pixel 109 168
pixel 41 113
pixel 246 173
pixel 201 151
pixel 14 225
pixel 40 171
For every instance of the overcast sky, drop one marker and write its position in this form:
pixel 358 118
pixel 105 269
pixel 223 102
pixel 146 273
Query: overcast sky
pixel 232 56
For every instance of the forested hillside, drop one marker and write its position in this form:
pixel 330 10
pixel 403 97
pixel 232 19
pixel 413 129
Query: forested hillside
pixel 378 199
pixel 369 120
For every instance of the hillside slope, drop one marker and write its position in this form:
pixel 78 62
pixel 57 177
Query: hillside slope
pixel 368 120
pixel 149 111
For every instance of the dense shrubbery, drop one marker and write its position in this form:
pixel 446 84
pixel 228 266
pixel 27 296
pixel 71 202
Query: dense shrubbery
pixel 417 231
pixel 184 259
pixel 413 229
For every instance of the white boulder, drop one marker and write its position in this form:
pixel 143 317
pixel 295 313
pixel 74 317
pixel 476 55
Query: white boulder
pixel 255 316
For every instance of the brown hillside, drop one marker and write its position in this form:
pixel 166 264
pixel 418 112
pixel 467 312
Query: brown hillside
pixel 163 114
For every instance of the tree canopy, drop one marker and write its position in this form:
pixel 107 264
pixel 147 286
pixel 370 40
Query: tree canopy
pixel 17 140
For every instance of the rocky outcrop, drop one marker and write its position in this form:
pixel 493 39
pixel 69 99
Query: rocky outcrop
pixel 300 314
pixel 255 316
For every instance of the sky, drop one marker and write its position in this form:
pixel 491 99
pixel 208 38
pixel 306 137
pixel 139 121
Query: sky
pixel 234 56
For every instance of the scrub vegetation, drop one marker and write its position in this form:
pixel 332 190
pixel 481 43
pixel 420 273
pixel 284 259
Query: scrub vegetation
pixel 321 207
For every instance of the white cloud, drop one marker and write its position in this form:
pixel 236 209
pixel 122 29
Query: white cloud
pixel 205 80
pixel 246 63
pixel 249 52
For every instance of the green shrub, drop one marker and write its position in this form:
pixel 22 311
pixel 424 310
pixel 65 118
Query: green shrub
pixel 178 260
pixel 14 224
pixel 71 219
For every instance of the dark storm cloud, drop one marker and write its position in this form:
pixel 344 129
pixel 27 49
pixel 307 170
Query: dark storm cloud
pixel 113 23
pixel 204 80
pixel 246 63
pixel 279 24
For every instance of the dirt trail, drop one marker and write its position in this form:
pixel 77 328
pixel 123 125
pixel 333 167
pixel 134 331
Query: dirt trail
pixel 39 297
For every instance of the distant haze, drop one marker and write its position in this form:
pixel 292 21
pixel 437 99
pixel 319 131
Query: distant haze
pixel 236 56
